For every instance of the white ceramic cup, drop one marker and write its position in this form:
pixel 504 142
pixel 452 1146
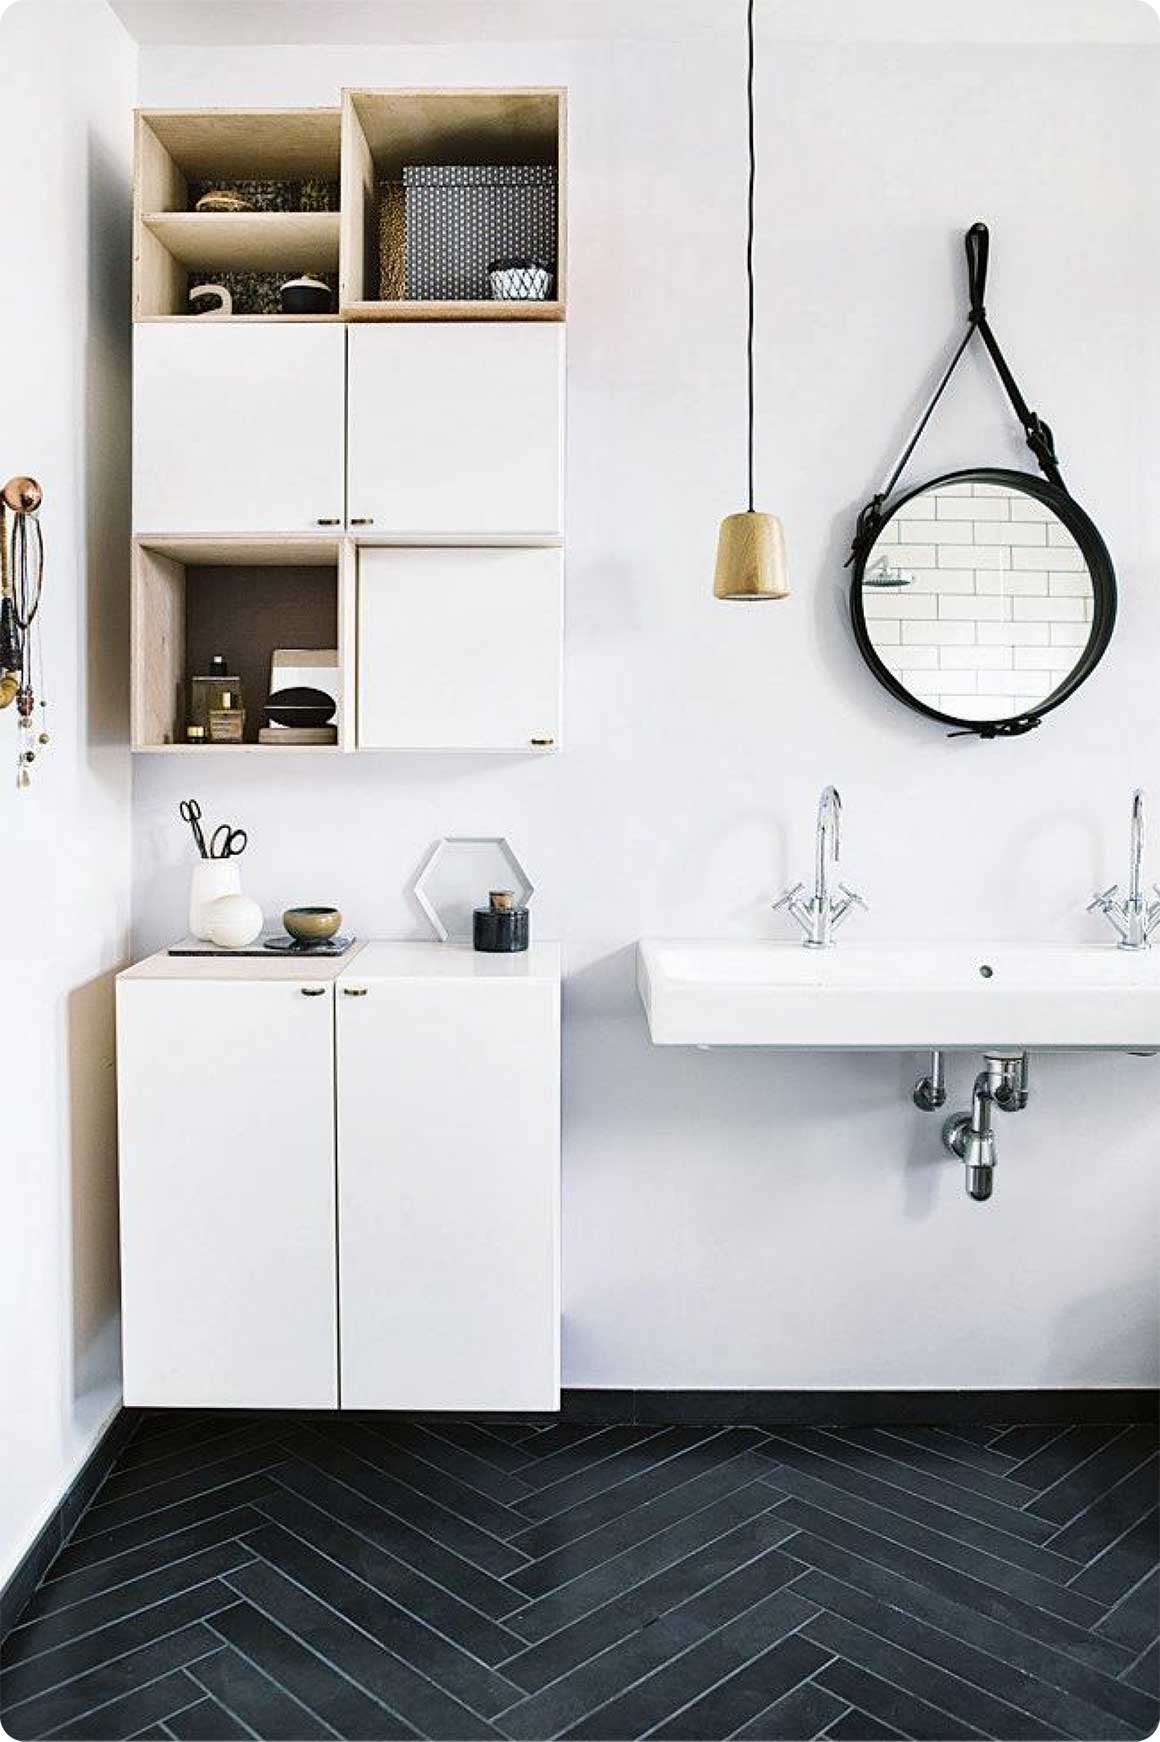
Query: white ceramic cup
pixel 211 878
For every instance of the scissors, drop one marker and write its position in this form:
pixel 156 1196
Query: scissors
pixel 191 814
pixel 227 842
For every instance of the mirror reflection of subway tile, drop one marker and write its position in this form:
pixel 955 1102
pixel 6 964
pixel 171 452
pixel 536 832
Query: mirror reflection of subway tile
pixel 1009 532
pixel 971 508
pixel 942 581
pixel 1014 634
pixel 975 658
pixel 1050 557
pixel 1070 585
pixel 974 607
pixel 1028 676
pixel 1069 634
pixel 905 604
pixel 1006 581
pixel 1029 508
pixel 1002 490
pixel 883 630
pixel 1039 659
pixel 940 634
pixel 1048 610
pixel 914 556
pixel 1057 534
pixel 982 707
pixel 915 658
pixel 938 531
pixel 958 556
pixel 951 490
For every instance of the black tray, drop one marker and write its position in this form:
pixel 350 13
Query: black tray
pixel 273 943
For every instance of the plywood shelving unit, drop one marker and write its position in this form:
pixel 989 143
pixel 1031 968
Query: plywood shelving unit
pixel 192 597
pixel 252 593
pixel 175 147
pixel 382 131
pixel 367 142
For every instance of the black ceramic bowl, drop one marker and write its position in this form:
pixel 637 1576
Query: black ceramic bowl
pixel 305 296
pixel 300 706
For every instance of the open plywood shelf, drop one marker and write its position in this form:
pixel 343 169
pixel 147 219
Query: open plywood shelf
pixel 248 241
pixel 175 147
pixel 385 131
pixel 192 597
pixel 369 140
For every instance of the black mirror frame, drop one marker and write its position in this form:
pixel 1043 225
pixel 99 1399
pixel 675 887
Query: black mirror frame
pixel 1103 578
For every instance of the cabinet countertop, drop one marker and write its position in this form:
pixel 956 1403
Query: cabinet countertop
pixel 384 960
pixel 388 960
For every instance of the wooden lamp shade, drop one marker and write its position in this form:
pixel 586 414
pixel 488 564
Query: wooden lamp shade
pixel 751 558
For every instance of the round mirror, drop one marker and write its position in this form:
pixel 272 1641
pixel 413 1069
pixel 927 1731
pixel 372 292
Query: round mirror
pixel 984 599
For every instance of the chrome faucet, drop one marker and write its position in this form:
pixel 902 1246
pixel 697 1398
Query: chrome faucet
pixel 822 914
pixel 1134 916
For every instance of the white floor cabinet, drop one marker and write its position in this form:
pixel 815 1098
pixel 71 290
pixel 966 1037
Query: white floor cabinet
pixel 448 1135
pixel 238 429
pixel 340 1180
pixel 459 649
pixel 226 1097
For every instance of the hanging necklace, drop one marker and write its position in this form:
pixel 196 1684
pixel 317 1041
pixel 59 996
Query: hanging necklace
pixel 21 589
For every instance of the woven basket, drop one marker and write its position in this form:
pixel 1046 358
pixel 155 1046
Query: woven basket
pixel 392 241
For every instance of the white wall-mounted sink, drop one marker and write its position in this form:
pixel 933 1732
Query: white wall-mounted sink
pixel 899 996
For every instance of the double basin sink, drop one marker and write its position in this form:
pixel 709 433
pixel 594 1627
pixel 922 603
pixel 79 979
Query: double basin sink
pixel 901 997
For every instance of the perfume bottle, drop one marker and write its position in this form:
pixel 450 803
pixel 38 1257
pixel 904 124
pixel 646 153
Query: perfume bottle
pixel 207 692
pixel 501 927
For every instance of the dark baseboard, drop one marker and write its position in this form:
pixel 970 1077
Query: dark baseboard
pixel 65 1516
pixel 859 1408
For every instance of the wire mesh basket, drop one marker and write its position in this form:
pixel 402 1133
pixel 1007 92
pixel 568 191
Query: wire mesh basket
pixel 520 280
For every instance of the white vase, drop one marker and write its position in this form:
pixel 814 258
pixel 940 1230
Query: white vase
pixel 211 878
pixel 233 921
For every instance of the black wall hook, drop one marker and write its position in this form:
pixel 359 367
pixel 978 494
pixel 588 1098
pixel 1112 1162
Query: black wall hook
pixel 977 242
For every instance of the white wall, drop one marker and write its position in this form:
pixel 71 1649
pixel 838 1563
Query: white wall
pixel 67 85
pixel 742 1218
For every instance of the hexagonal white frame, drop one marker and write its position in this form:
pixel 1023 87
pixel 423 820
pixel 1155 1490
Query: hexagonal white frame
pixel 450 914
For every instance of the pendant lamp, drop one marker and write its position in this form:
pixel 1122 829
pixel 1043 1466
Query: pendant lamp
pixel 751 546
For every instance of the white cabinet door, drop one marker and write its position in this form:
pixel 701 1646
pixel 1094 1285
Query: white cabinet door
pixel 456 428
pixel 238 428
pixel 448 1130
pixel 228 1273
pixel 459 649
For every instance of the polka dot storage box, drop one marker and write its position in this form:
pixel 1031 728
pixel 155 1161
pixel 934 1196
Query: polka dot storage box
pixel 461 218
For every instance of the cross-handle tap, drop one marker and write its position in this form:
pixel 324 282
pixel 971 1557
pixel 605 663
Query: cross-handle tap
pixel 1134 917
pixel 821 914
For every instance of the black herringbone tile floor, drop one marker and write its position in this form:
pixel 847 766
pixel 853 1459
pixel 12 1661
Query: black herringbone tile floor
pixel 369 1578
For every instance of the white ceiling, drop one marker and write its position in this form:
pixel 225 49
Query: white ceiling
pixel 238 22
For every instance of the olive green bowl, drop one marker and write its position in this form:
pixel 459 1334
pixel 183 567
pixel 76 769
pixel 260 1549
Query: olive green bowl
pixel 312 925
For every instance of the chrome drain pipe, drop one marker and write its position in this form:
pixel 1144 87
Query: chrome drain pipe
pixel 1002 1083
pixel 930 1092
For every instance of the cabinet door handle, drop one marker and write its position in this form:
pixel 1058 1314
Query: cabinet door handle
pixel 354 991
pixel 328 520
pixel 312 991
pixel 362 519
pixel 541 743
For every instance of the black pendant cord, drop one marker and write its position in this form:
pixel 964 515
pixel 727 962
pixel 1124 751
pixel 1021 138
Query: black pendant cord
pixel 749 248
pixel 1038 433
